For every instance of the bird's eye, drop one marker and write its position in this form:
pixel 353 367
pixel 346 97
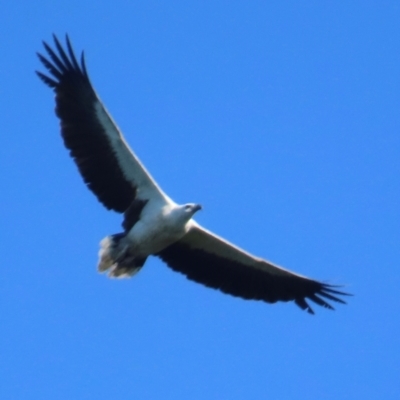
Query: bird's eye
pixel 188 207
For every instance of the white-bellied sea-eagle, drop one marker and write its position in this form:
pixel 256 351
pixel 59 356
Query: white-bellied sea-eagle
pixel 154 224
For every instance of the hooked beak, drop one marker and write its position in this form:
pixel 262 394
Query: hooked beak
pixel 197 207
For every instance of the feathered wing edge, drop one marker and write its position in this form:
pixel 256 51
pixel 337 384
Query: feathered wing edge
pixel 108 166
pixel 208 259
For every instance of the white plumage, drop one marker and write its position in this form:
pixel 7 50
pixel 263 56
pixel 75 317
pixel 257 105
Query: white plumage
pixel 153 223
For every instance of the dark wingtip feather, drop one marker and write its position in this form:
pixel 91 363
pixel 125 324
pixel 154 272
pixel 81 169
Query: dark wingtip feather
pixel 83 64
pixel 61 63
pixel 333 298
pixel 55 58
pixel 49 66
pixel 66 61
pixel 328 288
pixel 320 302
pixel 71 52
pixel 328 292
pixel 301 302
pixel 48 81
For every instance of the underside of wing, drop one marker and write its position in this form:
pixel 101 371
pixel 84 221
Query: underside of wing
pixel 108 166
pixel 205 258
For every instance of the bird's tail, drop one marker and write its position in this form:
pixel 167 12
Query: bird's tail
pixel 114 257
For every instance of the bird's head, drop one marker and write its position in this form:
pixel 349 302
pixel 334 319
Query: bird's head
pixel 186 211
pixel 191 208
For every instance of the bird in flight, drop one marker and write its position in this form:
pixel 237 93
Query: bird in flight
pixel 153 224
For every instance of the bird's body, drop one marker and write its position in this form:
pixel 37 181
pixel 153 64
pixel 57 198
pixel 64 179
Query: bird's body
pixel 159 226
pixel 153 223
pixel 157 229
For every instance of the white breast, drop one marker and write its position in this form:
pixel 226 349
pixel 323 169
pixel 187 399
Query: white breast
pixel 156 229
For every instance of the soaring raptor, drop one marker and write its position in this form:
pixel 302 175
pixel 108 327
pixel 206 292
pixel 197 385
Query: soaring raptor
pixel 154 224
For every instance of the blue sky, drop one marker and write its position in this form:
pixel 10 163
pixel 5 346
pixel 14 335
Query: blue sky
pixel 282 120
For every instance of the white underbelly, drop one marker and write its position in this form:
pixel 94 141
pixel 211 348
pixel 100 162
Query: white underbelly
pixel 152 236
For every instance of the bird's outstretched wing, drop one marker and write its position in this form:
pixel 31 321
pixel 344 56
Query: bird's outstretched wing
pixel 208 259
pixel 108 166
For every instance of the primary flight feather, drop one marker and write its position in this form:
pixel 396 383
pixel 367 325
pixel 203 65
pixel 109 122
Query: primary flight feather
pixel 153 223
